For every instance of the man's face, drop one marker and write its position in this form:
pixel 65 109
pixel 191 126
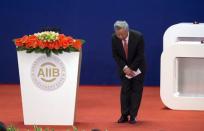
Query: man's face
pixel 121 33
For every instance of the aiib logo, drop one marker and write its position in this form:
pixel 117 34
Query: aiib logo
pixel 48 73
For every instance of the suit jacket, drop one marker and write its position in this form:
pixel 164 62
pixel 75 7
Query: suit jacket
pixel 136 58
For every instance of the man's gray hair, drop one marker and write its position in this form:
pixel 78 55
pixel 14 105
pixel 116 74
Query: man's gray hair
pixel 121 25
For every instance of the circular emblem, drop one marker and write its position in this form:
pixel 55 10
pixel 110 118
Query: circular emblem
pixel 48 73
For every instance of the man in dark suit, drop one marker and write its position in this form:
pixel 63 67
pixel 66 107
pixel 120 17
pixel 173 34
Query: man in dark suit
pixel 128 52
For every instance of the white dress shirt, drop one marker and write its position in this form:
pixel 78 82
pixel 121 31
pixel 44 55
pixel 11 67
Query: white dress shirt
pixel 126 39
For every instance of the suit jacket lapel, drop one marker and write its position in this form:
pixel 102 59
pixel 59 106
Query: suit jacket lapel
pixel 121 48
pixel 130 46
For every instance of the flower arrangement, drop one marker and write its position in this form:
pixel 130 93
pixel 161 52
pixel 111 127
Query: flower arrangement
pixel 48 42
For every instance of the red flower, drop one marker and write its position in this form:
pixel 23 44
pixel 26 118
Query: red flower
pixel 21 41
pixel 77 44
pixel 41 44
pixel 56 45
pixel 18 42
pixel 63 41
pixel 31 42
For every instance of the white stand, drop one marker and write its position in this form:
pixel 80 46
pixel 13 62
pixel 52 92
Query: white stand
pixel 182 67
pixel 49 87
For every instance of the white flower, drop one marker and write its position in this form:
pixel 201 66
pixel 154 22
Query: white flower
pixel 47 36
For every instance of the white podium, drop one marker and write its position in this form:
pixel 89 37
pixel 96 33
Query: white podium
pixel 182 67
pixel 49 87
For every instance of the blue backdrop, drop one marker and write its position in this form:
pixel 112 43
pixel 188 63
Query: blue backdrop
pixel 93 21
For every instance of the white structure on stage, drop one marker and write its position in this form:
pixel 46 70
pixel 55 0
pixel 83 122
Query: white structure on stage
pixel 49 87
pixel 182 67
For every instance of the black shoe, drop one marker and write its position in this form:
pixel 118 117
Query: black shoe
pixel 123 119
pixel 132 120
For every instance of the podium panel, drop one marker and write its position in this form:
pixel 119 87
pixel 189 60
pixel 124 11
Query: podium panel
pixel 190 76
pixel 49 87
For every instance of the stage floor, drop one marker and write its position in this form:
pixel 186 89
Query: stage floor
pixel 98 107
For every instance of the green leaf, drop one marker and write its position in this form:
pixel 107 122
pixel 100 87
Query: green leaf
pixel 48 52
pixel 30 50
pixel 60 51
pixel 55 51
pixel 21 48
pixel 74 128
pixel 38 50
pixel 36 128
pixel 11 128
pixel 44 50
pixel 66 50
pixel 83 41
pixel 72 49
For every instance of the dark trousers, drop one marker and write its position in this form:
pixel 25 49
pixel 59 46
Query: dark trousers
pixel 131 95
